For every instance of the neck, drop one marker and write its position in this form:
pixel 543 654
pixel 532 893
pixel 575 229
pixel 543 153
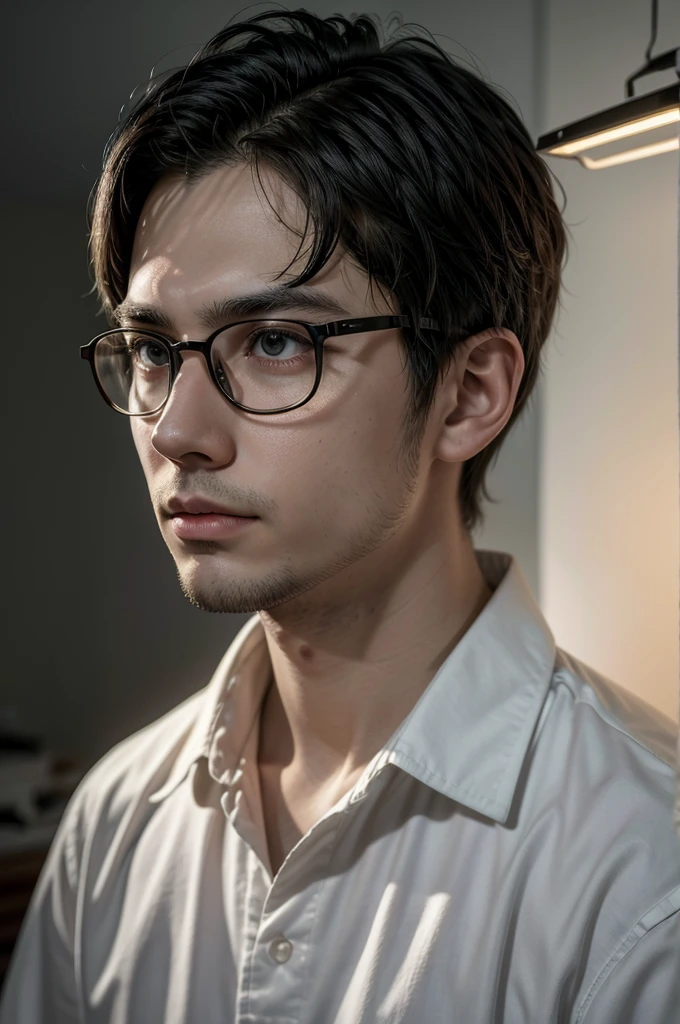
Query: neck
pixel 347 670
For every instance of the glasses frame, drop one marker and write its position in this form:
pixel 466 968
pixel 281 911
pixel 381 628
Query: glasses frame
pixel 318 332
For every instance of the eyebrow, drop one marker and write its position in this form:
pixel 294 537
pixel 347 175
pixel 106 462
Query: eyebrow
pixel 218 313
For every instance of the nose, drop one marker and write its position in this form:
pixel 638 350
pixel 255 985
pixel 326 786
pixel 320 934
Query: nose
pixel 195 427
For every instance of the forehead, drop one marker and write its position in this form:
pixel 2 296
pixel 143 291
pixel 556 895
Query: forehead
pixel 229 235
pixel 220 226
pixel 226 208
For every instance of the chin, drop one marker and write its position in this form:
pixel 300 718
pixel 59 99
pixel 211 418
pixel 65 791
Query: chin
pixel 226 592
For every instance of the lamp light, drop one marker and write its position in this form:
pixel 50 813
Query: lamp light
pixel 628 120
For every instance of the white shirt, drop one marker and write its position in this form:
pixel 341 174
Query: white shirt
pixel 508 857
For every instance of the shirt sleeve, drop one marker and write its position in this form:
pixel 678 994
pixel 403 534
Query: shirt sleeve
pixel 40 985
pixel 640 983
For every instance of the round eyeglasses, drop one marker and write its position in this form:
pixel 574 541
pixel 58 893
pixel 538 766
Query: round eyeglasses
pixel 260 366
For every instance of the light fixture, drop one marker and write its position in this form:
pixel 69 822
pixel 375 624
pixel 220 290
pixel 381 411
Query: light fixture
pixel 629 120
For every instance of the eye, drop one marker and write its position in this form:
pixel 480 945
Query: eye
pixel 277 341
pixel 150 354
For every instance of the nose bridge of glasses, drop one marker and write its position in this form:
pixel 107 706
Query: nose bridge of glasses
pixel 193 380
pixel 193 346
pixel 181 348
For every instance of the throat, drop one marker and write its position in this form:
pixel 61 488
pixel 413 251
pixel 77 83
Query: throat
pixel 292 805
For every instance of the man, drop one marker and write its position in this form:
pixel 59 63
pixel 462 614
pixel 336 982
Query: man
pixel 397 800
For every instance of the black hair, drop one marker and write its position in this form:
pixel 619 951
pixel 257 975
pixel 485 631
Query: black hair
pixel 420 169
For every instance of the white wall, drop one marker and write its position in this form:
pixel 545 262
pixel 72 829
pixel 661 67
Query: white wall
pixel 608 509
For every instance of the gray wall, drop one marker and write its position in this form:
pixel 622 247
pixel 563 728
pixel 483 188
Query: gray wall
pixel 99 640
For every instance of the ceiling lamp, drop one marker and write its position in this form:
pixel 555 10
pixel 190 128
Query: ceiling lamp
pixel 658 112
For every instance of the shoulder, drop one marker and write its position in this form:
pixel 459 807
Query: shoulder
pixel 122 783
pixel 617 750
pixel 601 789
pixel 141 763
pixel 106 810
pixel 620 718
pixel 609 757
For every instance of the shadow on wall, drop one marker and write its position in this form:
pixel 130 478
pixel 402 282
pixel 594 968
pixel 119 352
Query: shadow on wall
pixel 100 639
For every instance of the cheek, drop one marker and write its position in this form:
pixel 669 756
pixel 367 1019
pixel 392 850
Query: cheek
pixel 330 468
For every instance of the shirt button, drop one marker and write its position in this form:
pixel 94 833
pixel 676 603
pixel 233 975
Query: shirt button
pixel 280 950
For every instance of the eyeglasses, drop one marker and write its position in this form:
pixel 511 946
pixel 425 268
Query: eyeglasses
pixel 260 366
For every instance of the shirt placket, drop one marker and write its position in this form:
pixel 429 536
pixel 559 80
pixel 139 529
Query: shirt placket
pixel 279 922
pixel 279 914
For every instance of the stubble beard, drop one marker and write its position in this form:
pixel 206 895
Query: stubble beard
pixel 249 595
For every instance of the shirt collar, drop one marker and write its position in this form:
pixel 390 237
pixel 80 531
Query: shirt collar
pixel 229 703
pixel 468 734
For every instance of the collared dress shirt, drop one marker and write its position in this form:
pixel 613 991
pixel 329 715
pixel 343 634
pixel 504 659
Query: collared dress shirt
pixel 508 857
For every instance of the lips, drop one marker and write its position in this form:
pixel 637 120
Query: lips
pixel 202 506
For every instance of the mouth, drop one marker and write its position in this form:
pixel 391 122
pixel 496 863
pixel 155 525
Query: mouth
pixel 195 506
pixel 208 525
pixel 196 518
pixel 200 516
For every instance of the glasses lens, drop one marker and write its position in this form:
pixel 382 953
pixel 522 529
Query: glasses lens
pixel 266 365
pixel 134 370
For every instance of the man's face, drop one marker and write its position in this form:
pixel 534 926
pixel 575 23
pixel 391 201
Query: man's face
pixel 328 482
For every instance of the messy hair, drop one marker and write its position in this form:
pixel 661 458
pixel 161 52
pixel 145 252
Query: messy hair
pixel 417 167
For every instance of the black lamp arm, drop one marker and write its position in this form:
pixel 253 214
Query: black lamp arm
pixel 669 59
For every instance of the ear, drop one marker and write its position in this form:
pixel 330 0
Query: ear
pixel 478 394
